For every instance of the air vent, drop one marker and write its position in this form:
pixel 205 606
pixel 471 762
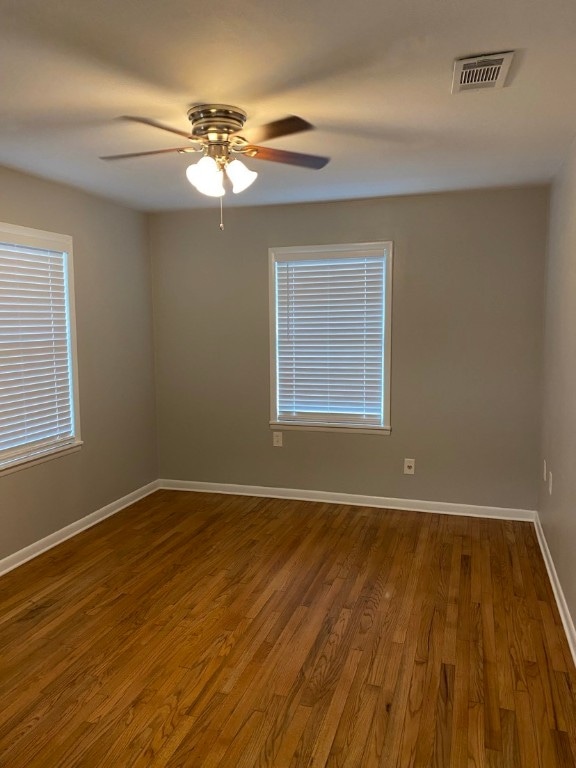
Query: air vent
pixel 478 72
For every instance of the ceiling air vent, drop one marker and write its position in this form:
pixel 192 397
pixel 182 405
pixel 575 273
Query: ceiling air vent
pixel 477 72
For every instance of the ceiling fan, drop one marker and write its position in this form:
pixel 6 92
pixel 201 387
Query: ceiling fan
pixel 217 130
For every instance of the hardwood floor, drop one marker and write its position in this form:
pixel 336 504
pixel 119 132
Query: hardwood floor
pixel 209 630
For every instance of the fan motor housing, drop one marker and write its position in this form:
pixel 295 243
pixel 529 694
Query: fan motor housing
pixel 216 122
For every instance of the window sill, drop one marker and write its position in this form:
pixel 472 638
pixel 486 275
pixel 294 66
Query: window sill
pixel 281 425
pixel 40 457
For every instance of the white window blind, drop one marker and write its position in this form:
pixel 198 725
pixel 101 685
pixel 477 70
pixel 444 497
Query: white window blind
pixel 330 336
pixel 37 414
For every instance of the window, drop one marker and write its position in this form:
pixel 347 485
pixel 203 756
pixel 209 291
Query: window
pixel 38 402
pixel 330 336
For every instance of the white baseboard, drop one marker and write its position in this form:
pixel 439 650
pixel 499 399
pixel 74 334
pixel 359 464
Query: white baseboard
pixel 558 591
pixel 438 507
pixel 21 557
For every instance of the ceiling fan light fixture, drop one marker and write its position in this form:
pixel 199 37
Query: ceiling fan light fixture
pixel 207 177
pixel 217 130
pixel 240 176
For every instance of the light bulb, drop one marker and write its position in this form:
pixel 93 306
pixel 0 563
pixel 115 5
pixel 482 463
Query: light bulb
pixel 207 177
pixel 240 176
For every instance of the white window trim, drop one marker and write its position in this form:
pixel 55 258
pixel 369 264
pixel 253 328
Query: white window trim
pixel 36 238
pixel 305 252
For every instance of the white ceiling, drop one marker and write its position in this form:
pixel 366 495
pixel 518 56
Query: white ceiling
pixel 373 76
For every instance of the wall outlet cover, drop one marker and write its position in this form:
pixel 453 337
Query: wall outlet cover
pixel 409 466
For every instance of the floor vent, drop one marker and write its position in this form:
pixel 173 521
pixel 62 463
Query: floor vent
pixel 478 72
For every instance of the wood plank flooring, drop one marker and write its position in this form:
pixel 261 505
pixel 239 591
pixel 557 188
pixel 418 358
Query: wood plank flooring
pixel 208 630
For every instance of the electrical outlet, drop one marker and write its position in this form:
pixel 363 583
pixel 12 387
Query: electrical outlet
pixel 545 473
pixel 409 466
pixel 277 439
pixel 550 483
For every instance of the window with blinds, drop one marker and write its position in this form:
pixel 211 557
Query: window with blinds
pixel 38 415
pixel 330 341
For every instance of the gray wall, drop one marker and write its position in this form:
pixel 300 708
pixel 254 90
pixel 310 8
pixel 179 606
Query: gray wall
pixel 466 347
pixel 558 511
pixel 467 325
pixel 115 357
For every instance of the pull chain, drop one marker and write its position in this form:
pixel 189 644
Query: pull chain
pixel 221 217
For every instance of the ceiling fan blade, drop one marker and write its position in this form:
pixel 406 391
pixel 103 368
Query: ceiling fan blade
pixel 155 124
pixel 181 150
pixel 284 127
pixel 289 158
